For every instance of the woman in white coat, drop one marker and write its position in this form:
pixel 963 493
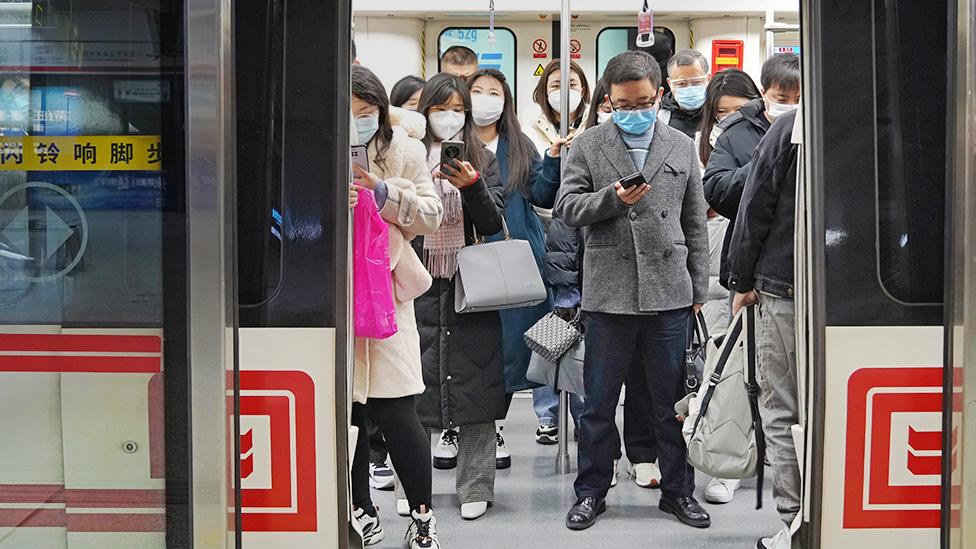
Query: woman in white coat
pixel 387 374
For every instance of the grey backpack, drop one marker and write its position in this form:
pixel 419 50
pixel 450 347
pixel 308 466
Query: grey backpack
pixel 722 427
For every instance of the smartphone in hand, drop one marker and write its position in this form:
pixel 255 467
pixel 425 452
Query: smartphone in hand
pixel 451 151
pixel 633 179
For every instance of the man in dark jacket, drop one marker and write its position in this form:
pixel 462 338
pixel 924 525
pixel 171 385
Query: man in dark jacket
pixel 761 261
pixel 728 165
pixel 645 270
pixel 681 108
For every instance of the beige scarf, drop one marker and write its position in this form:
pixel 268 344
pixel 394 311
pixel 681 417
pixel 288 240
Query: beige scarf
pixel 441 248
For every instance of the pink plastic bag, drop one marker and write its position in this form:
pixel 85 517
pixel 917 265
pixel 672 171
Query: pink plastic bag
pixel 374 313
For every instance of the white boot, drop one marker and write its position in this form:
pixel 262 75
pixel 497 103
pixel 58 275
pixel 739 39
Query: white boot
pixel 473 510
pixel 403 507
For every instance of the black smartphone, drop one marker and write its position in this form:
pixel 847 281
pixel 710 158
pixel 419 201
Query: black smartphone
pixel 636 178
pixel 451 151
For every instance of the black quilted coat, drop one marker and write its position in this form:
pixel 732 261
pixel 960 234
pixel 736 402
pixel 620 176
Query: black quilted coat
pixel 462 353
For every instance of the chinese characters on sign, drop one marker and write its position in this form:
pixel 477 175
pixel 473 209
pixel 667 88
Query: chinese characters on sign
pixel 79 152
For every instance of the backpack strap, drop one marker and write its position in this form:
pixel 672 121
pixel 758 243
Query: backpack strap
pixel 753 388
pixel 719 368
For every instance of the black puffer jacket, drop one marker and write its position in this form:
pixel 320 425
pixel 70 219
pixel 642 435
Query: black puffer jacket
pixel 728 167
pixel 683 121
pixel 762 247
pixel 563 265
pixel 462 353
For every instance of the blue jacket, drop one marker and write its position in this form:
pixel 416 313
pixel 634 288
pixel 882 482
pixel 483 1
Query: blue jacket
pixel 524 224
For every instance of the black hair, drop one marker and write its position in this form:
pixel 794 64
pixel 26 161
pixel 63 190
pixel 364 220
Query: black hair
pixel 438 91
pixel 730 82
pixel 781 71
pixel 404 89
pixel 519 146
pixel 541 93
pixel 630 66
pixel 599 92
pixel 367 87
pixel 459 55
pixel 686 58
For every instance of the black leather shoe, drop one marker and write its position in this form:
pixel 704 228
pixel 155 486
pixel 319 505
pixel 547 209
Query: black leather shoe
pixel 687 510
pixel 584 513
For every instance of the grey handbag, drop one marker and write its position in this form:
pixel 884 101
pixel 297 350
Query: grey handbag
pixel 552 336
pixel 565 376
pixel 497 275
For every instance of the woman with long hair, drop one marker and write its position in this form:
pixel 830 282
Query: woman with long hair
pixel 388 374
pixel 406 92
pixel 528 181
pixel 727 92
pixel 462 353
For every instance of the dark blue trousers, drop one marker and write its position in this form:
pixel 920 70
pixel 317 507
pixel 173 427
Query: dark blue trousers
pixel 614 345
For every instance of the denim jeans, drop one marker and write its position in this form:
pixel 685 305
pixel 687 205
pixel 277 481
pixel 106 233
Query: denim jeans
pixel 545 401
pixel 615 344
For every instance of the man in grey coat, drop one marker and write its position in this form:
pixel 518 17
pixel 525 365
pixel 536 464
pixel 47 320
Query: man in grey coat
pixel 645 270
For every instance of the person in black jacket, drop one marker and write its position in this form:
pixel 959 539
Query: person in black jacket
pixel 681 108
pixel 728 164
pixel 461 353
pixel 761 259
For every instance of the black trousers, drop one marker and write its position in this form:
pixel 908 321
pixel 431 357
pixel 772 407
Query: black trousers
pixel 377 444
pixel 408 443
pixel 640 443
pixel 611 343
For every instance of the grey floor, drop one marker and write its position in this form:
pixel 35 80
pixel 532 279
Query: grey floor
pixel 531 501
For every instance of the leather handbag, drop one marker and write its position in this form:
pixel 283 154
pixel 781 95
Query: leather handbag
pixel 497 275
pixel 552 336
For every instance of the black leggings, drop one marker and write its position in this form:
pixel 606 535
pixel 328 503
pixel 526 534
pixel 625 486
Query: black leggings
pixel 407 442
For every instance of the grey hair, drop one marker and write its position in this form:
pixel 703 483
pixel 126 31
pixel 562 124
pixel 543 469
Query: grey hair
pixel 686 58
pixel 630 66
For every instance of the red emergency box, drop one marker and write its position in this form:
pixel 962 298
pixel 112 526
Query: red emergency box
pixel 727 54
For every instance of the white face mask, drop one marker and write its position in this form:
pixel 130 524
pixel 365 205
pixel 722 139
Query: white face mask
pixel 575 98
pixel 775 110
pixel 713 137
pixel 446 124
pixel 602 117
pixel 486 109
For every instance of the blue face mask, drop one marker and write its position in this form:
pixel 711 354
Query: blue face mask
pixel 690 98
pixel 367 126
pixel 635 122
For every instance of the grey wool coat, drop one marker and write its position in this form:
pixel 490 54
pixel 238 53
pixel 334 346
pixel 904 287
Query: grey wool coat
pixel 649 257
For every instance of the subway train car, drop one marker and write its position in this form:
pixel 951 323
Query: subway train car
pixel 176 342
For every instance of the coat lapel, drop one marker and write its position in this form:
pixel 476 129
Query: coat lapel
pixel 661 147
pixel 615 150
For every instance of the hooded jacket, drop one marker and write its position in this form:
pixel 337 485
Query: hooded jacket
pixel 728 167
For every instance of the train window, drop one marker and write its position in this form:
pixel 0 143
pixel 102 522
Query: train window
pixel 613 40
pixel 910 153
pixel 499 56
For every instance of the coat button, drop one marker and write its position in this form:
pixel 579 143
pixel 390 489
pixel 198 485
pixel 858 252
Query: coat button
pixel 448 332
pixel 626 256
pixel 633 216
pixel 664 214
pixel 667 253
pixel 449 378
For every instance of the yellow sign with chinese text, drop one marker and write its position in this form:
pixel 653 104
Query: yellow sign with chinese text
pixel 81 153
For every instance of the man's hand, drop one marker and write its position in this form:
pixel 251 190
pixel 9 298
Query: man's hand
pixel 632 195
pixel 744 300
pixel 696 308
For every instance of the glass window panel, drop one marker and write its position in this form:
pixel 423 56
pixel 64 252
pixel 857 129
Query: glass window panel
pixel 499 56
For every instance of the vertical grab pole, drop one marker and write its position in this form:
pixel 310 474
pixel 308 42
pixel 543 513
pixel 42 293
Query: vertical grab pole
pixel 563 464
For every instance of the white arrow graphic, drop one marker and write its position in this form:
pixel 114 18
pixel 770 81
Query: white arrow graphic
pixel 57 232
pixel 17 232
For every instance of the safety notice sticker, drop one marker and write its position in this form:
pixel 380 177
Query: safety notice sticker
pixel 81 153
pixel 538 71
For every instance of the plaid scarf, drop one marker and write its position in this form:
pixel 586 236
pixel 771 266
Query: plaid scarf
pixel 441 248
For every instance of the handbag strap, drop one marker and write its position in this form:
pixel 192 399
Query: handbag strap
pixel 753 388
pixel 478 239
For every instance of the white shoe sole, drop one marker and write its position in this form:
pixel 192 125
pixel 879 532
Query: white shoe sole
pixel 717 499
pixel 382 484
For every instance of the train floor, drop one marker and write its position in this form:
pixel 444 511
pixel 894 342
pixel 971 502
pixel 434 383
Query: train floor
pixel 531 501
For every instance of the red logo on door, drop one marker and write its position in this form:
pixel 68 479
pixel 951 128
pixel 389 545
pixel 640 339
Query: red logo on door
pixel 277 452
pixel 894 448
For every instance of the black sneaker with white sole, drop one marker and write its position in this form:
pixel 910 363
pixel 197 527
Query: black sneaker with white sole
pixel 503 458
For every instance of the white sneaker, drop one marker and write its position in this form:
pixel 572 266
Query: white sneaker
pixel 380 476
pixel 721 490
pixel 368 526
pixel 782 540
pixel 547 434
pixel 645 475
pixel 403 507
pixel 503 458
pixel 613 479
pixel 445 454
pixel 474 510
pixel 422 532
